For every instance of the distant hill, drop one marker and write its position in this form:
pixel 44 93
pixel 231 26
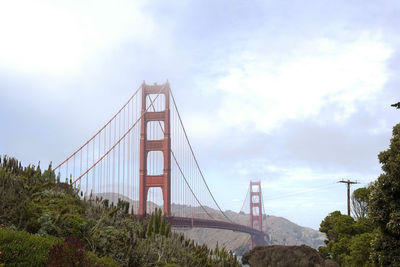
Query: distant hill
pixel 280 230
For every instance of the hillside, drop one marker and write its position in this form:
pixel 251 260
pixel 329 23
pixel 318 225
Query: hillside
pixel 281 230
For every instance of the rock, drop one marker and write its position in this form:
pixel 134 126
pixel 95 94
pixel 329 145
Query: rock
pixel 285 256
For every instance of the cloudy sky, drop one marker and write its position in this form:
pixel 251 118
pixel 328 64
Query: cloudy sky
pixel 296 94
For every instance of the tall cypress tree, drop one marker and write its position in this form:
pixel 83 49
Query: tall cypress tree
pixel 162 225
pixel 157 220
pixel 150 226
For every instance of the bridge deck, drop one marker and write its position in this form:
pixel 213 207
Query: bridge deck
pixel 204 223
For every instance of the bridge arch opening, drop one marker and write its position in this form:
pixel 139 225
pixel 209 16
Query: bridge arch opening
pixel 256 198
pixel 154 199
pixel 255 210
pixel 254 188
pixel 155 130
pixel 158 104
pixel 155 163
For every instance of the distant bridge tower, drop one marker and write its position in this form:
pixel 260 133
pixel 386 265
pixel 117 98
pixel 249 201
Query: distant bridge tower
pixel 256 213
pixel 163 180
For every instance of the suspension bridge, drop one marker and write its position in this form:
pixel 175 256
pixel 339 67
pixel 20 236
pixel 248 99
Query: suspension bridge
pixel 143 155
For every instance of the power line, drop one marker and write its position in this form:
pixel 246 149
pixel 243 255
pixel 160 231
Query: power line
pixel 315 189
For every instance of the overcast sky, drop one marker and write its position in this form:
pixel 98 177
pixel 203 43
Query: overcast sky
pixel 296 94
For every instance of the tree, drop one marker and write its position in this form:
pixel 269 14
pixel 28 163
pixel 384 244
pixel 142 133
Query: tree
pixel 360 200
pixel 338 229
pixel 336 225
pixel 397 105
pixel 149 231
pixel 348 241
pixel 384 207
pixel 359 250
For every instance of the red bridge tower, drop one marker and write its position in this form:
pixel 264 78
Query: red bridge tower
pixel 164 145
pixel 256 213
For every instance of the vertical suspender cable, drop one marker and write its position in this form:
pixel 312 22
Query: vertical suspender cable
pixel 109 160
pixel 119 154
pixel 87 167
pixel 128 155
pixel 94 170
pixel 80 171
pixel 99 167
pixel 194 157
pixel 113 170
pixel 123 156
pixel 66 172
pixel 106 162
pixel 73 171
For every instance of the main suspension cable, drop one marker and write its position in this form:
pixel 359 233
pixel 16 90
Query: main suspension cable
pixel 116 114
pixel 117 143
pixel 244 202
pixel 194 157
pixel 181 171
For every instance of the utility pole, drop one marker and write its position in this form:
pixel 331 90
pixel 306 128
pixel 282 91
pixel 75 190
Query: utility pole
pixel 348 182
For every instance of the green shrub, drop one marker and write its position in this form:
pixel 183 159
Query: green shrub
pixel 106 261
pixel 20 248
pixel 39 203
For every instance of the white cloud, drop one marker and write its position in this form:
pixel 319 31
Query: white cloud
pixel 286 179
pixel 58 36
pixel 261 92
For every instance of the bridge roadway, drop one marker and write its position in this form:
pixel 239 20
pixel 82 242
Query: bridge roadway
pixel 204 223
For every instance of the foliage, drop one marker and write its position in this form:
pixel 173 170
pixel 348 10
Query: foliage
pixel 157 224
pixel 105 261
pixel 346 238
pixel 359 250
pixel 374 239
pixel 384 208
pixel 104 234
pixel 72 252
pixel 397 105
pixel 278 255
pixel 37 202
pixel 19 248
pixel 360 201
pixel 69 253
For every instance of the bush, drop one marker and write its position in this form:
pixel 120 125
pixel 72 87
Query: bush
pixel 21 248
pixel 106 261
pixel 72 252
pixel 39 203
pixel 69 253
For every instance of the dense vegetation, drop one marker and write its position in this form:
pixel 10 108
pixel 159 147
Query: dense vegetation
pixel 278 255
pixel 45 222
pixel 372 237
